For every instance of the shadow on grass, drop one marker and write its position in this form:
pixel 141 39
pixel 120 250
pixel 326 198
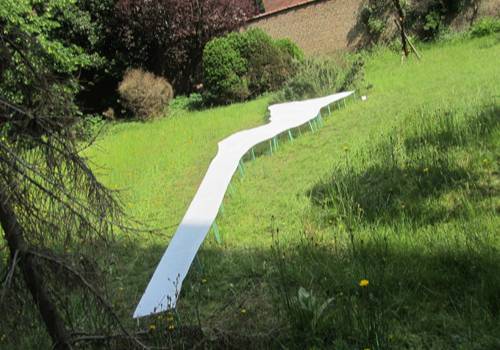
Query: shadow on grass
pixel 385 193
pixel 442 130
pixel 417 177
pixel 417 296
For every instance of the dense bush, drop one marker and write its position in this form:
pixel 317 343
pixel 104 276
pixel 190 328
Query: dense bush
pixel 144 94
pixel 321 76
pixel 485 26
pixel 269 66
pixel 224 70
pixel 291 48
pixel 242 65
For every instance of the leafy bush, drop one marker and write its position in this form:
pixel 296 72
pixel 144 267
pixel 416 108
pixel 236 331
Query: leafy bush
pixel 320 76
pixel 268 65
pixel 485 26
pixel 224 70
pixel 144 94
pixel 291 48
pixel 242 65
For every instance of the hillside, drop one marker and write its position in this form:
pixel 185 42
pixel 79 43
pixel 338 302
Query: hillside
pixel 401 190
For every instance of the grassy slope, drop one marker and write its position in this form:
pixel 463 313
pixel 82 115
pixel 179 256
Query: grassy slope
pixel 162 163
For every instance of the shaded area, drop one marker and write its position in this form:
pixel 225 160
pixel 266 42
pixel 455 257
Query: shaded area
pixel 423 175
pixel 418 294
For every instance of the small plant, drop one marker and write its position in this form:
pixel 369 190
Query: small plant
pixel 310 311
pixel 433 23
pixel 485 26
pixel 321 76
pixel 144 94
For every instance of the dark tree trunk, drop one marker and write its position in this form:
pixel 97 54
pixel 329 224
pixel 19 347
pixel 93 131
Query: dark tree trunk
pixel 28 265
pixel 401 21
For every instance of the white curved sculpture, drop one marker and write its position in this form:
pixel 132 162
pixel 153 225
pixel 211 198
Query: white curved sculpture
pixel 164 287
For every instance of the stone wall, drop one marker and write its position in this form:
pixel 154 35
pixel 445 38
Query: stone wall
pixel 327 26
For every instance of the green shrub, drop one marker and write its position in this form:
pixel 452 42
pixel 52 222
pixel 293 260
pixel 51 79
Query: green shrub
pixel 269 67
pixel 223 70
pixel 243 65
pixel 319 77
pixel 291 48
pixel 144 94
pixel 485 26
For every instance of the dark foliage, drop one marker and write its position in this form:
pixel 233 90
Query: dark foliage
pixel 167 37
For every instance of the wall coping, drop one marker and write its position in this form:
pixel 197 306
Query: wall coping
pixel 305 3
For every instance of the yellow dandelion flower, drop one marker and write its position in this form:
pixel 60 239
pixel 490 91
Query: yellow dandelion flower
pixel 152 327
pixel 243 311
pixel 364 283
pixel 204 281
pixel 426 170
pixel 171 327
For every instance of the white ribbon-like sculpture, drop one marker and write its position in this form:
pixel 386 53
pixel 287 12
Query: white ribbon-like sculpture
pixel 163 289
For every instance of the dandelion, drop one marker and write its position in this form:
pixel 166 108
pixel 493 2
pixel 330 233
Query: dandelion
pixel 171 327
pixel 364 283
pixel 243 311
pixel 203 281
pixel 152 327
pixel 426 170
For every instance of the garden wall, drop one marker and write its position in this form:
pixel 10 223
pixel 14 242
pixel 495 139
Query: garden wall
pixel 326 26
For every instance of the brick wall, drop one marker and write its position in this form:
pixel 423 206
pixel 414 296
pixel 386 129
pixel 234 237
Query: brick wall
pixel 327 26
pixel 318 27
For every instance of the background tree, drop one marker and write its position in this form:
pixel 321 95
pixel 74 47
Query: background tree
pixel 167 37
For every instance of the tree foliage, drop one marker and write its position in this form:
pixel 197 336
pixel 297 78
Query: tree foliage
pixel 54 214
pixel 167 37
pixel 33 27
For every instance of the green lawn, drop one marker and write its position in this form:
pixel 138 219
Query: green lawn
pixel 401 190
